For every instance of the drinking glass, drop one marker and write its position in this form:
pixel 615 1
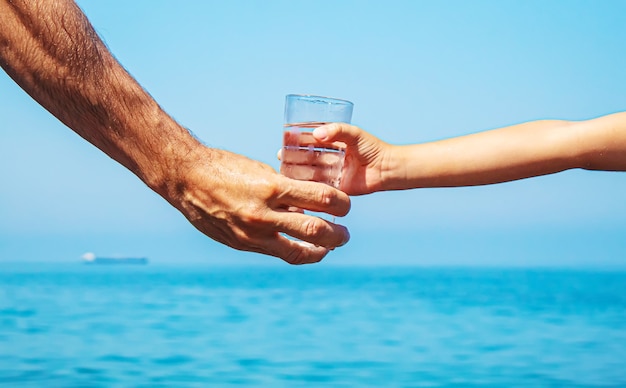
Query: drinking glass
pixel 303 158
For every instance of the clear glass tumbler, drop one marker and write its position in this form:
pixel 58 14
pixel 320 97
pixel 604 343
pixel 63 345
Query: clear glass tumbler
pixel 302 157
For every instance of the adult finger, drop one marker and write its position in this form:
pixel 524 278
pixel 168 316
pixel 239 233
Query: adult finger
pixel 312 229
pixel 313 196
pixel 296 252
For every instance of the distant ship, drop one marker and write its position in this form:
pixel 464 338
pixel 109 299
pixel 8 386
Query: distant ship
pixel 90 258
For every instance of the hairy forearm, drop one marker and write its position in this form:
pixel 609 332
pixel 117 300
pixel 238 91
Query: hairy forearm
pixel 511 153
pixel 50 49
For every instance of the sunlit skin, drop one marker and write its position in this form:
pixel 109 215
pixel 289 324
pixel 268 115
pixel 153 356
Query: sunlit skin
pixel 499 155
pixel 51 50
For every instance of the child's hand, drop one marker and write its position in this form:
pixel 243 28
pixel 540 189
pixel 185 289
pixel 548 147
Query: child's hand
pixel 367 157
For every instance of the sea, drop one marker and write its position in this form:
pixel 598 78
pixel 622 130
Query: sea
pixel 75 325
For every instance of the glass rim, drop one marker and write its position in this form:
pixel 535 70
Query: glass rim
pixel 323 98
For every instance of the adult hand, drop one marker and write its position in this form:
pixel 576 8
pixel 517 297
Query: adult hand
pixel 244 204
pixel 53 52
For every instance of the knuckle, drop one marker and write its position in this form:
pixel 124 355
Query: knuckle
pixel 314 227
pixel 331 197
pixel 264 188
pixel 271 190
pixel 253 215
pixel 327 195
pixel 294 257
pixel 301 257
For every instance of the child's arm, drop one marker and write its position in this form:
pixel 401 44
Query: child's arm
pixel 494 156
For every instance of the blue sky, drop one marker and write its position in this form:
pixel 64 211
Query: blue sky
pixel 415 70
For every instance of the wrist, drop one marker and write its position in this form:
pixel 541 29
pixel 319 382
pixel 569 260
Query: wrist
pixel 601 143
pixel 395 168
pixel 166 163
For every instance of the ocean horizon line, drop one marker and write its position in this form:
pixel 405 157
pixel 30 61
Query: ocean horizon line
pixel 326 265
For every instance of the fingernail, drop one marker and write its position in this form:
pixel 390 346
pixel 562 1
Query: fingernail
pixel 320 133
